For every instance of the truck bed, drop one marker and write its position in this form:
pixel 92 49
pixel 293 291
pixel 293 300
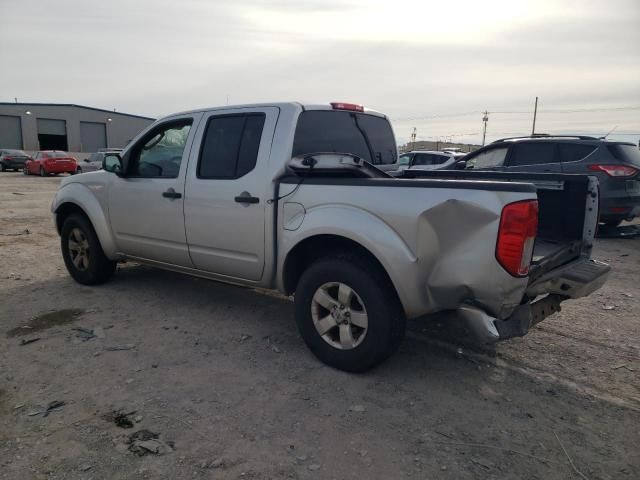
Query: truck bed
pixel 566 223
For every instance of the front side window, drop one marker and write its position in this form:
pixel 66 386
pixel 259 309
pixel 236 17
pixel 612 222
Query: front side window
pixel 230 146
pixel 159 154
pixel 533 153
pixel 404 160
pixel 488 159
pixel 368 136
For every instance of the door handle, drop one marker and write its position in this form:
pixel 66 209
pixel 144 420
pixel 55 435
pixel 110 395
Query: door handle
pixel 246 198
pixel 171 193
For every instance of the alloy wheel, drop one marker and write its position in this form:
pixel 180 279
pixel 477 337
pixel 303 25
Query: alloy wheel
pixel 339 315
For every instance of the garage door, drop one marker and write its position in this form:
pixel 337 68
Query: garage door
pixel 52 134
pixel 10 132
pixel 93 136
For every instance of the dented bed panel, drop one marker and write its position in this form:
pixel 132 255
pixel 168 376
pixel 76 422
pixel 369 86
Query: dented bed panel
pixel 443 261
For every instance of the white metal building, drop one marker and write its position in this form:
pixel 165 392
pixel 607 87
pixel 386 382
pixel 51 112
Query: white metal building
pixel 69 127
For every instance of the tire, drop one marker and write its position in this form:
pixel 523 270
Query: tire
pixel 98 268
pixel 373 294
pixel 42 172
pixel 78 170
pixel 3 167
pixel 25 171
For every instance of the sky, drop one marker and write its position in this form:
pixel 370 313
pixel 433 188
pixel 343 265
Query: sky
pixel 432 65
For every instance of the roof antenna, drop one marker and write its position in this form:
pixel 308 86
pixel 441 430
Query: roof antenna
pixel 609 133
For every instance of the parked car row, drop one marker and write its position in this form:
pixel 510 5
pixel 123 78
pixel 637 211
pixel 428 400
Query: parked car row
pixel 47 162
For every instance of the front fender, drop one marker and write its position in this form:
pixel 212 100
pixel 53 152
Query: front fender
pixel 372 233
pixel 92 200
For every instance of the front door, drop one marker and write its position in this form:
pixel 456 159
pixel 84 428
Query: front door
pixel 227 190
pixel 146 205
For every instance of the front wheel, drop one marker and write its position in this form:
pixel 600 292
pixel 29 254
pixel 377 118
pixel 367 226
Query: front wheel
pixel 25 171
pixel 3 167
pixel 348 313
pixel 42 172
pixel 82 253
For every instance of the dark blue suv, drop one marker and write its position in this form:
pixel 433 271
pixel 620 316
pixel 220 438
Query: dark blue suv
pixel 616 164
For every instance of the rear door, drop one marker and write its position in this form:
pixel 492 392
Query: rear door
pixel 227 190
pixel 536 156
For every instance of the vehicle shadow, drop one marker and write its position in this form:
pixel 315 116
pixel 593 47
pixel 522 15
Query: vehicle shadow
pixel 154 297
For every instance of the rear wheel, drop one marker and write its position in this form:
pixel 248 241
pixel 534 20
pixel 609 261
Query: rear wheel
pixel 82 253
pixel 347 313
pixel 25 171
pixel 42 172
pixel 3 167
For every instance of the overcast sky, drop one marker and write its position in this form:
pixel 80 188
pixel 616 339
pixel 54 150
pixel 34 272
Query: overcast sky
pixel 430 65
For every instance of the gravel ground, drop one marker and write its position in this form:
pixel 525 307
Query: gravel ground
pixel 166 376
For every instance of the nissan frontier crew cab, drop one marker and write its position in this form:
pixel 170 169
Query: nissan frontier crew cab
pixel 287 196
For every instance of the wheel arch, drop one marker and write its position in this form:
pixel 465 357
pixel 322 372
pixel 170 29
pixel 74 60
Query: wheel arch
pixel 76 198
pixel 312 248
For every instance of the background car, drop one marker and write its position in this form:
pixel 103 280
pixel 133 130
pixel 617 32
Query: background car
pixel 12 159
pixel 426 160
pixel 94 162
pixel 47 162
pixel 616 164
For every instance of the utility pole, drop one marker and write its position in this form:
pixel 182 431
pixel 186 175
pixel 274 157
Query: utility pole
pixel 535 113
pixel 413 139
pixel 485 119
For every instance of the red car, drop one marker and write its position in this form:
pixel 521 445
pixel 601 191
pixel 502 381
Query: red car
pixel 47 162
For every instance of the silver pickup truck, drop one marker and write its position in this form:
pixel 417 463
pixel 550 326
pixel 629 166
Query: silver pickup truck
pixel 287 196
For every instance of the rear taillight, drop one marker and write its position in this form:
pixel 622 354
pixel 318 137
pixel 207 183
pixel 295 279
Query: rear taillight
pixel 516 237
pixel 614 170
pixel 347 106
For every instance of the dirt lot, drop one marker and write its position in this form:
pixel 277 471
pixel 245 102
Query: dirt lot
pixel 220 375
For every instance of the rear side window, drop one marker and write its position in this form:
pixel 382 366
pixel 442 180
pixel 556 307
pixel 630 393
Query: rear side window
pixel 625 153
pixel 572 152
pixel 488 159
pixel 230 146
pixel 532 154
pixel 367 136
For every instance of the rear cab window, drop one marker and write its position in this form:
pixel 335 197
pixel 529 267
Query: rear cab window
pixel 368 136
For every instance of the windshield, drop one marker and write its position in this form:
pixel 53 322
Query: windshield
pixel 368 136
pixel 626 153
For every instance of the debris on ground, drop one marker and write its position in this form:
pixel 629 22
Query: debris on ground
pixel 53 406
pixel 27 341
pixel 117 348
pixel 357 408
pixel 17 234
pixel 119 418
pixel 143 442
pixel 608 307
pixel 84 333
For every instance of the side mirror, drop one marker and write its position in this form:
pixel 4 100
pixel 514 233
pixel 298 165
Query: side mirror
pixel 112 163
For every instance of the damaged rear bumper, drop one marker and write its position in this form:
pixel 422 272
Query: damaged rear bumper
pixel 574 280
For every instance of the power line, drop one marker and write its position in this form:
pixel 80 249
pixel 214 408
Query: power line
pixel 507 112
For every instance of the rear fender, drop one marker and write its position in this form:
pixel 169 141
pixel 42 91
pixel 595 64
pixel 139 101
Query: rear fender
pixel 372 233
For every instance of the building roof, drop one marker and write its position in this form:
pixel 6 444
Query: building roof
pixel 76 106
